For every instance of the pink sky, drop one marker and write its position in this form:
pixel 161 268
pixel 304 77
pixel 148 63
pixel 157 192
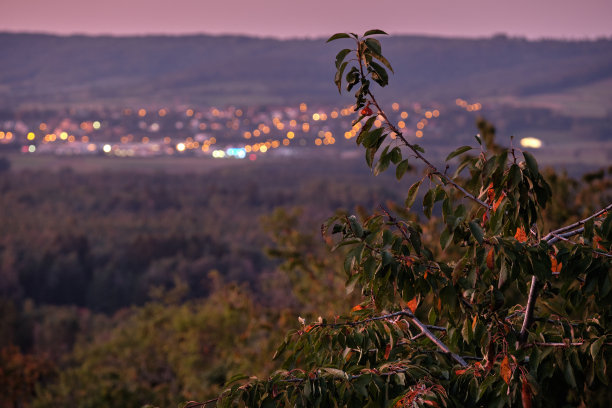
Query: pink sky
pixel 314 18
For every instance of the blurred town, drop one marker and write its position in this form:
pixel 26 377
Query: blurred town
pixel 230 132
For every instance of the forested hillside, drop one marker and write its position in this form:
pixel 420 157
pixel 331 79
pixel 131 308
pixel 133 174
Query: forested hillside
pixel 43 69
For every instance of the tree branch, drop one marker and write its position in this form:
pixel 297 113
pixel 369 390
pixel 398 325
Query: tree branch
pixel 550 239
pixel 418 154
pixel 424 328
pixel 577 224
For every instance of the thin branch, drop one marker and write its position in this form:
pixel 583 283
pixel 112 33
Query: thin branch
pixel 559 344
pixel 418 154
pixel 531 300
pixel 579 223
pixel 565 235
pixel 434 339
pixel 550 239
pixel 424 328
pixel 574 243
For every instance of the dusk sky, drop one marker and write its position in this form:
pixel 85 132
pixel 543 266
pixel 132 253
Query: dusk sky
pixel 314 18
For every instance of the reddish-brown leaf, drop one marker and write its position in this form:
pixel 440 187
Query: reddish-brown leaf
pixel 505 371
pixel 412 304
pixel 596 241
pixel 520 235
pixel 490 259
pixel 490 194
pixel 498 201
pixel 356 308
pixel 387 351
pixel 525 393
pixel 555 266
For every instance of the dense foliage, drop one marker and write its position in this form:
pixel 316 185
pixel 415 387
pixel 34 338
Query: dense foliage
pixel 503 309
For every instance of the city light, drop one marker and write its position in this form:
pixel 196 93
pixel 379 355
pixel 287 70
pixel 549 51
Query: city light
pixel 531 142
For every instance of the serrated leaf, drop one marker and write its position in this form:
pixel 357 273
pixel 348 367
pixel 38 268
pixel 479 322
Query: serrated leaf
pixel 337 36
pixel 373 45
pixel 503 275
pixel 381 72
pixel 596 346
pixel 412 193
pixel 341 56
pixel 335 372
pixel 338 77
pixel 372 137
pixel 418 148
pixel 505 371
pixel 531 162
pixel 384 61
pixel 355 226
pixel 401 168
pixel 476 231
pixel 373 32
pixel 428 202
pixel 458 151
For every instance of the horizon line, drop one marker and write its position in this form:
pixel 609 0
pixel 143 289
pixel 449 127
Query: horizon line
pixel 305 37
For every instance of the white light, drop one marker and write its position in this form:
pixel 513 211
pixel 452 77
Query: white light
pixel 531 142
pixel 107 148
pixel 31 148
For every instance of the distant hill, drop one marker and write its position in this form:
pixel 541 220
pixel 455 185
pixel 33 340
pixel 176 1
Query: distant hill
pixel 202 69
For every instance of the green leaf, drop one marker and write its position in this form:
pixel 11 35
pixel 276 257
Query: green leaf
pixel 458 151
pixel 418 148
pixel 503 275
pixel 370 152
pixel 445 238
pixel 428 202
pixel 371 139
pixel 373 45
pixel 476 231
pixel 337 37
pixel 382 76
pixel 382 164
pixel 384 61
pixel 341 55
pixel 355 226
pixel 515 176
pixel 596 346
pixel 478 139
pixel 531 162
pixel 401 169
pixel 373 32
pixel 396 155
pixel 412 192
pixel 338 77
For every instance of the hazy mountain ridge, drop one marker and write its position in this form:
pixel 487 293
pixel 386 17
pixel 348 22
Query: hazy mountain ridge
pixel 39 68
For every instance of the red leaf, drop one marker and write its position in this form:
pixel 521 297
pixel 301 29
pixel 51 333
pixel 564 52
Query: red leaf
pixel 387 351
pixel 520 235
pixel 555 266
pixel 498 202
pixel 525 393
pixel 412 304
pixel 356 308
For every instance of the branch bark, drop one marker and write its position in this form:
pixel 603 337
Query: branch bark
pixel 550 239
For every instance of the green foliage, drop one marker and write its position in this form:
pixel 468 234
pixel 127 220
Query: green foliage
pixel 491 337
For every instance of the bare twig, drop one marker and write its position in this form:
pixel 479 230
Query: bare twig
pixel 579 223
